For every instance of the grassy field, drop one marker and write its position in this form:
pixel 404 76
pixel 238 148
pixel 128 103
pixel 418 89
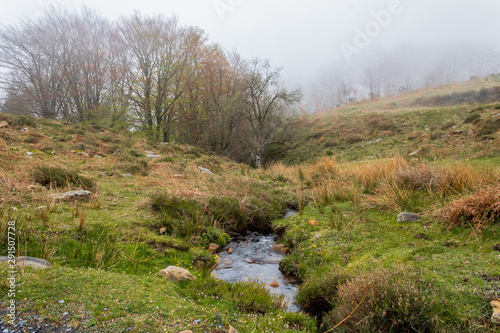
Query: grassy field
pixel 362 270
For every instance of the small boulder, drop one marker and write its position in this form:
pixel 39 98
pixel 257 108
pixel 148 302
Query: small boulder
pixel 214 248
pixel 495 318
pixel 280 249
pixel 232 330
pixel 408 217
pixel 72 195
pixel 230 250
pixel 206 171
pixel 174 273
pixel 152 155
pixel 28 261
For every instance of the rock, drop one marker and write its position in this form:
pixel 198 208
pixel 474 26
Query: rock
pixel 408 217
pixel 415 152
pixel 24 129
pixel 230 250
pixel 274 284
pixel 233 234
pixel 232 330
pixel 127 175
pixel 153 155
pixel 495 318
pixel 79 194
pixel 496 247
pixel 206 171
pixel 214 248
pixel 4 124
pixel 28 261
pixel 280 249
pixel 118 152
pixel 174 273
pixel 313 222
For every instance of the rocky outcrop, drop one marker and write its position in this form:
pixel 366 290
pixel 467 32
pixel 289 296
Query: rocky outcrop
pixel 408 217
pixel 176 274
pixel 28 261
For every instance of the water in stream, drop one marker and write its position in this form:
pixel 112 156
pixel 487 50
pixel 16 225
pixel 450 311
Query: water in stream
pixel 251 258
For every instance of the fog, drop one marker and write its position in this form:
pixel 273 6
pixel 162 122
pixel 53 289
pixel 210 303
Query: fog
pixel 319 41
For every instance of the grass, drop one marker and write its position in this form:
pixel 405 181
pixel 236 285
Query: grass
pixel 361 270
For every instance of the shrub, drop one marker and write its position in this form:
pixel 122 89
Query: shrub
pixel 381 301
pixel 472 118
pixel 318 295
pixel 56 177
pixel 181 217
pixel 214 235
pixel 228 212
pixel 133 165
pixel 477 211
pixel 25 121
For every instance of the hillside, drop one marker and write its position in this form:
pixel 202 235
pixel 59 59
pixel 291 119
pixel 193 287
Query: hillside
pixel 362 266
pixel 456 121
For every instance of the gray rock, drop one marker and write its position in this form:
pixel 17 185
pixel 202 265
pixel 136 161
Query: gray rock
pixel 206 171
pixel 127 175
pixel 78 194
pixel 153 155
pixel 28 261
pixel 408 217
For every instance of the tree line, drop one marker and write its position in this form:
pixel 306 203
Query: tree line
pixel 142 73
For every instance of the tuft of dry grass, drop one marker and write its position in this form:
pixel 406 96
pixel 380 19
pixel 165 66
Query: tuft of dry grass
pixel 477 211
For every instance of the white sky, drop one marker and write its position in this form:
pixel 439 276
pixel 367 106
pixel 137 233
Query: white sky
pixel 304 36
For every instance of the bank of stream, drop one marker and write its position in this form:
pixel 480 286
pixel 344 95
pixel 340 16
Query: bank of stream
pixel 250 258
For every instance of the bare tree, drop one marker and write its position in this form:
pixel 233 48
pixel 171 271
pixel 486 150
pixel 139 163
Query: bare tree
pixel 267 102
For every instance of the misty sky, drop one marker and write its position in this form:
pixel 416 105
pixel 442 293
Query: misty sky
pixel 305 36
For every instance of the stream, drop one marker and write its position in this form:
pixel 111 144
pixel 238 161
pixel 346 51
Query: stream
pixel 251 258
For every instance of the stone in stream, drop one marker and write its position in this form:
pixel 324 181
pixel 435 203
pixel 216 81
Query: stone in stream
pixel 174 273
pixel 280 249
pixel 213 248
pixel 274 284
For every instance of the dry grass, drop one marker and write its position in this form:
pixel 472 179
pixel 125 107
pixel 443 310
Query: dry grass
pixel 387 184
pixel 477 211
